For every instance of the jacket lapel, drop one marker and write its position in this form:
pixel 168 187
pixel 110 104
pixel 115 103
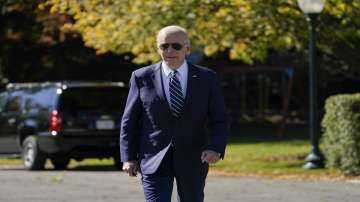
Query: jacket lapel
pixel 159 85
pixel 156 76
pixel 192 86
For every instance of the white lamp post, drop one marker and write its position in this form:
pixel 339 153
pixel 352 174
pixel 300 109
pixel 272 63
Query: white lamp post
pixel 312 8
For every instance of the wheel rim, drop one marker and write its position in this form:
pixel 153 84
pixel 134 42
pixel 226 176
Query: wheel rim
pixel 29 155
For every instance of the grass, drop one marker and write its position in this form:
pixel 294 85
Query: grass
pixel 280 158
pixel 9 161
pixel 91 164
pixel 264 156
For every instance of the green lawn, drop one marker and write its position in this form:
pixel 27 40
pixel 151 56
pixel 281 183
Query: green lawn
pixel 9 161
pixel 244 156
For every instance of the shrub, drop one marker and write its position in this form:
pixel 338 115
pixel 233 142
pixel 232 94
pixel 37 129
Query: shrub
pixel 341 136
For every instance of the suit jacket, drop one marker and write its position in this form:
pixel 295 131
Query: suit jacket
pixel 148 126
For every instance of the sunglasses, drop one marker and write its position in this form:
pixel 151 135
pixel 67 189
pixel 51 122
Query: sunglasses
pixel 166 46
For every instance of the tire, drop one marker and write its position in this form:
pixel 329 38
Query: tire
pixel 33 158
pixel 60 163
pixel 117 161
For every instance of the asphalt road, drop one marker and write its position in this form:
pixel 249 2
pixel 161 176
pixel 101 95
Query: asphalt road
pixel 107 185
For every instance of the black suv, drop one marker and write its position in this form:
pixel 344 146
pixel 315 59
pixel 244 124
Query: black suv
pixel 60 121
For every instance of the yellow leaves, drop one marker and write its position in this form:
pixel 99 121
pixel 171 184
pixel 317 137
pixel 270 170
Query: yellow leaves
pixel 239 51
pixel 226 43
pixel 338 9
pixel 211 49
pixel 222 12
pixel 246 28
pixel 239 46
pixel 150 43
pixel 55 9
pixel 57 6
pixel 67 27
pixel 131 26
pixel 239 3
pixel 284 9
pixel 288 41
pixel 42 6
pixel 144 58
pixel 241 7
pixel 137 49
pixel 92 17
pixel 341 7
pixel 284 41
pixel 269 30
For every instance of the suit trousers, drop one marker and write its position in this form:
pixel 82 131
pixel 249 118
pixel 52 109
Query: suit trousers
pixel 159 185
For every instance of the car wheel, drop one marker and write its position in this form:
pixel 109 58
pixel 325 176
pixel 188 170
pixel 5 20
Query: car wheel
pixel 33 158
pixel 60 163
pixel 117 161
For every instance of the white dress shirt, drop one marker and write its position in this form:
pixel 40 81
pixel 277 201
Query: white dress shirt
pixel 182 75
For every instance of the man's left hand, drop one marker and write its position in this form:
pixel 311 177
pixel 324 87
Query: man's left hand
pixel 210 156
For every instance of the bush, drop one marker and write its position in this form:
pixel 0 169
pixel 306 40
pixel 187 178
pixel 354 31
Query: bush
pixel 341 136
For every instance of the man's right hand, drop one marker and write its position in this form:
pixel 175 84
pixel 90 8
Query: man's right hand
pixel 131 167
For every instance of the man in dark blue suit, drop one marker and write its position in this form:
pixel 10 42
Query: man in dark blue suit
pixel 164 129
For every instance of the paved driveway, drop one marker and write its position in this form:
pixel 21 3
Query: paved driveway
pixel 106 185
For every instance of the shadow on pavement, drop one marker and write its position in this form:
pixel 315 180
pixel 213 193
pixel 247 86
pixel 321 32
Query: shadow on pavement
pixel 101 168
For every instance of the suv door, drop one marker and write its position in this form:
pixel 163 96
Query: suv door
pixel 3 138
pixel 10 112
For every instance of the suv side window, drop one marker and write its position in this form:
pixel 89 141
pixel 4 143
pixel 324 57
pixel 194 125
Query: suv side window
pixel 30 106
pixel 13 104
pixel 3 97
pixel 44 99
pixel 39 100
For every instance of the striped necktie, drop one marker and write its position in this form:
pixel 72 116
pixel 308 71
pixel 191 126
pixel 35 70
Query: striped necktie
pixel 176 95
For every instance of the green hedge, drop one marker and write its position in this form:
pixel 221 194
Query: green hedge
pixel 341 136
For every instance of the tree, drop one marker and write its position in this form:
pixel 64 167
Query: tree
pixel 247 30
pixel 33 47
pixel 26 33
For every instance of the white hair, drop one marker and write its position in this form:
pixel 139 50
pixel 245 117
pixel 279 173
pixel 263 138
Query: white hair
pixel 171 30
